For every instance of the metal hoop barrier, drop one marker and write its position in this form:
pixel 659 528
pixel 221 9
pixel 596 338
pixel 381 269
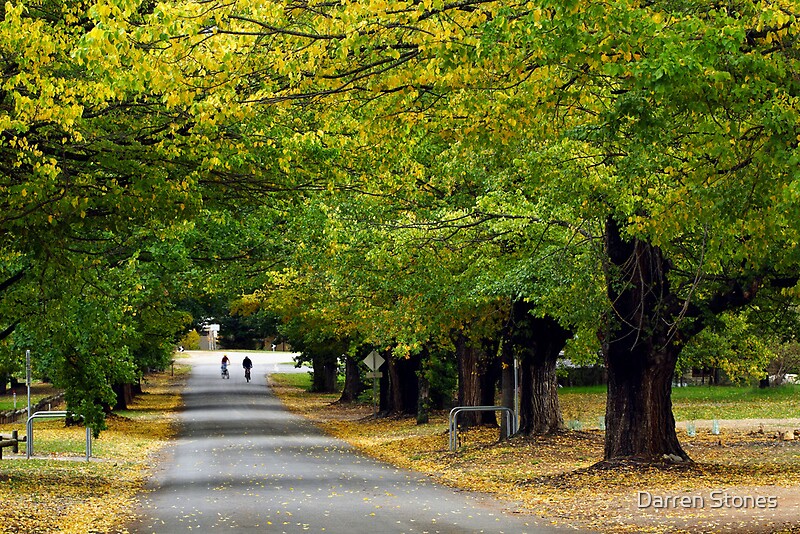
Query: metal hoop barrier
pixel 53 415
pixel 511 420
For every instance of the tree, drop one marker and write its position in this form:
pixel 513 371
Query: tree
pixel 97 171
pixel 666 153
pixel 734 346
pixel 537 342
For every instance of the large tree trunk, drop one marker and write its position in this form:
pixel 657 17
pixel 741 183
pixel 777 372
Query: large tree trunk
pixel 352 381
pixel 424 401
pixel 409 372
pixel 395 387
pixel 423 382
pixel 473 364
pixel 400 386
pixel 540 411
pixel 507 381
pixel 489 379
pixel 384 389
pixel 124 395
pixel 468 379
pixel 644 338
pixel 325 371
pixel 639 420
pixel 540 340
pixel 640 351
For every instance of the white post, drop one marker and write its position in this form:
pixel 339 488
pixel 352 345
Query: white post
pixel 88 443
pixel 516 395
pixel 28 377
pixel 29 435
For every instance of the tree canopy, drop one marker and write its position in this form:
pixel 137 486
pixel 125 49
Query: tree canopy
pixel 393 172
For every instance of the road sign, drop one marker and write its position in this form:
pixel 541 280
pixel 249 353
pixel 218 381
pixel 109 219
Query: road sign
pixel 373 361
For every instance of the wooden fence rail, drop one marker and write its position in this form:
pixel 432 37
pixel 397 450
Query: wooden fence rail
pixel 13 416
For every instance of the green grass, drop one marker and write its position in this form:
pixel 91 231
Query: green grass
pixel 731 402
pixel 295 380
pixel 53 437
pixel 587 404
pixel 38 392
pixel 300 380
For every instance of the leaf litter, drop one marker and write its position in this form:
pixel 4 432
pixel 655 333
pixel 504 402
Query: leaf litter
pixel 58 491
pixel 561 480
pixel 555 478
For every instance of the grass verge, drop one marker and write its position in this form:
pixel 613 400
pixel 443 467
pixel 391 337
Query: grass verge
pixel 57 492
pixel 39 391
pixel 554 478
pixel 588 404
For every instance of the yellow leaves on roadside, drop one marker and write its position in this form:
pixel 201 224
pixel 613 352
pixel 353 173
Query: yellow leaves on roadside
pixel 555 477
pixel 72 496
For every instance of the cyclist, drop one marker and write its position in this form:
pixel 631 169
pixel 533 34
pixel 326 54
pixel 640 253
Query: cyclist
pixel 224 366
pixel 247 363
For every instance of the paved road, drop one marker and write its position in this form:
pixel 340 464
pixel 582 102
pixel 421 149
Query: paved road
pixel 243 463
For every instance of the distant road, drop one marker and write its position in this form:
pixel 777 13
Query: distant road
pixel 244 464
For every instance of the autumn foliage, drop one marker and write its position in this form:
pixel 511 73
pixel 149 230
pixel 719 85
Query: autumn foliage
pixel 558 479
pixel 58 491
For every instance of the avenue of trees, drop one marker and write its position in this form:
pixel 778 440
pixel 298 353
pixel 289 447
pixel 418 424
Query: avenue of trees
pixel 454 184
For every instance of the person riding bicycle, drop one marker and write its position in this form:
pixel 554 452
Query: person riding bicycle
pixel 247 363
pixel 224 365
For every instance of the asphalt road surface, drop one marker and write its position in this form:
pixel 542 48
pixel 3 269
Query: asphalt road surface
pixel 244 464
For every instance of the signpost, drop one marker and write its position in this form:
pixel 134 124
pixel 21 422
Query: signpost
pixel 374 361
pixel 28 377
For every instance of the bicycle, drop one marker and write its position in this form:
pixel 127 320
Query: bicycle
pixel 247 363
pixel 224 372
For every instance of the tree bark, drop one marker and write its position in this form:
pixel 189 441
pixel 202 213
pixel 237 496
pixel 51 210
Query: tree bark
pixel 424 401
pixel 639 419
pixel 395 392
pixel 473 365
pixel 507 381
pixel 640 351
pixel 489 378
pixel 399 386
pixel 403 385
pixel 124 396
pixel 537 342
pixel 424 387
pixel 384 389
pixel 540 340
pixel 644 338
pixel 136 389
pixel 540 410
pixel 325 372
pixel 352 381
